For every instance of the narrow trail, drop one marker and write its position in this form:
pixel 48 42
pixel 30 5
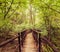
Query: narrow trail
pixel 29 44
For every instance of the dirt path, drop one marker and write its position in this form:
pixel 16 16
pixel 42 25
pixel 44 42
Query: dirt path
pixel 29 44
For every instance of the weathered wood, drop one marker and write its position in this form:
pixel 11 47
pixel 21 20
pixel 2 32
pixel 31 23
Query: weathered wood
pixel 35 37
pixel 39 43
pixel 7 41
pixel 23 35
pixel 45 40
pixel 19 42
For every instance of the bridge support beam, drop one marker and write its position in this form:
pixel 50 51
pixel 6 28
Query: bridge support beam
pixel 19 42
pixel 39 43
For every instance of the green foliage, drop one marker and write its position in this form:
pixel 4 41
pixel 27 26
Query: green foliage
pixel 19 15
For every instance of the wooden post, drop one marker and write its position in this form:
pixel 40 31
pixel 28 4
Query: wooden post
pixel 39 43
pixel 19 42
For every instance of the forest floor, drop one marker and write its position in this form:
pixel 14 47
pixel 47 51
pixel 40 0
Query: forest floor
pixel 28 46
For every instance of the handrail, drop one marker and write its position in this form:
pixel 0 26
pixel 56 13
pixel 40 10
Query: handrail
pixel 50 44
pixel 19 42
pixel 7 41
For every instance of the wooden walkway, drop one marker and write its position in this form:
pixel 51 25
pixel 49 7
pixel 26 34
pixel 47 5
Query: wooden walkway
pixel 29 44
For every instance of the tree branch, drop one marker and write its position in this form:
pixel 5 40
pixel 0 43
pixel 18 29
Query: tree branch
pixel 13 12
pixel 8 9
pixel 50 7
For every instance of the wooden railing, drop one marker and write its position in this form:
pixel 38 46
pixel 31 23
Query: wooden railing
pixel 41 39
pixel 10 40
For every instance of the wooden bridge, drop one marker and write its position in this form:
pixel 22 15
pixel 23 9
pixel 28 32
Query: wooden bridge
pixel 29 41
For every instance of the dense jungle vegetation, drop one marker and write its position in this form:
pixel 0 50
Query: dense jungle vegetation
pixel 19 15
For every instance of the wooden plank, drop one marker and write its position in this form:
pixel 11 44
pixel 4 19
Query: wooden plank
pixel 7 41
